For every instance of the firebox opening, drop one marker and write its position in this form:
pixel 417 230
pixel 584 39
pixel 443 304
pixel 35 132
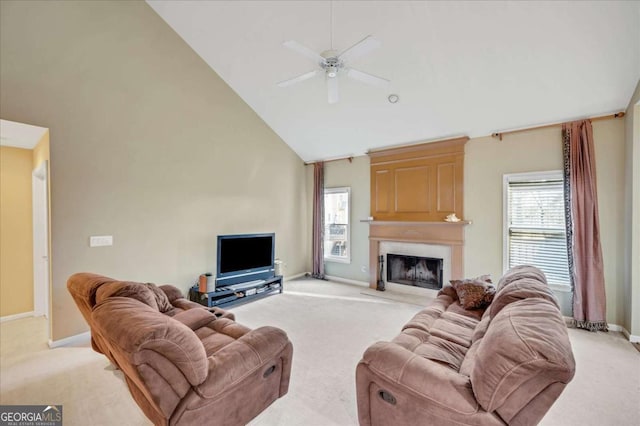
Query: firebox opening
pixel 425 272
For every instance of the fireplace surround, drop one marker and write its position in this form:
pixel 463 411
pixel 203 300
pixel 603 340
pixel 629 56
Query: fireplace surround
pixel 443 240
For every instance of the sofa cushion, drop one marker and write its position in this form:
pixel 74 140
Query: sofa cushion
pixel 521 289
pixel 526 345
pixel 195 318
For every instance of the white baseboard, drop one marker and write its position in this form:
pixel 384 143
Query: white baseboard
pixel 616 327
pixel 346 280
pixel 296 276
pixel 71 340
pixel 630 337
pixel 16 316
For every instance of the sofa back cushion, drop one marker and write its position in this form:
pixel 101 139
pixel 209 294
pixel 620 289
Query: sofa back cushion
pixel 523 288
pixel 525 351
pixel 83 287
pixel 519 272
pixel 147 293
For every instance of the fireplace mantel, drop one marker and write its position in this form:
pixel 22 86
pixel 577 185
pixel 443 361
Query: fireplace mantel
pixel 439 233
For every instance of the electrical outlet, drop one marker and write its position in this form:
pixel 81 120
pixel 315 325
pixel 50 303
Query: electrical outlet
pixel 100 240
pixel 363 268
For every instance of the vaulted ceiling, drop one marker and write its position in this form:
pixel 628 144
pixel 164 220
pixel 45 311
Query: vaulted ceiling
pixel 459 68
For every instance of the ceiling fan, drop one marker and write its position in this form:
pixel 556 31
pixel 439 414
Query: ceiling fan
pixel 333 64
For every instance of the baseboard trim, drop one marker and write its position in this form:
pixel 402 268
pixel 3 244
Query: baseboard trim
pixel 616 327
pixel 346 280
pixel 296 276
pixel 16 316
pixel 71 340
pixel 619 328
pixel 630 337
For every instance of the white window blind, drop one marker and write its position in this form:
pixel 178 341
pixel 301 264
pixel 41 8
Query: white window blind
pixel 337 230
pixel 536 226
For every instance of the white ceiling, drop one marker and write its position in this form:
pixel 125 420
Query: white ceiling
pixel 460 68
pixel 20 135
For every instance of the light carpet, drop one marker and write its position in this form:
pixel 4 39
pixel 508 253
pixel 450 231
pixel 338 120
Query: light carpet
pixel 330 325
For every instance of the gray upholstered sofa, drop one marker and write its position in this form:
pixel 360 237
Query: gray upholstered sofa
pixel 184 364
pixel 504 364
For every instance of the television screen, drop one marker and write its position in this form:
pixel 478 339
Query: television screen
pixel 243 253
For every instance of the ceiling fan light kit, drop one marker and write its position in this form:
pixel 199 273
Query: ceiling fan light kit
pixel 333 64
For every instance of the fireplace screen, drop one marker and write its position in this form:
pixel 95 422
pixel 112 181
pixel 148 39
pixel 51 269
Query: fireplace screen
pixel 417 271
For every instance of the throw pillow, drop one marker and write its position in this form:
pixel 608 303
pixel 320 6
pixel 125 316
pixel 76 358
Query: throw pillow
pixel 474 293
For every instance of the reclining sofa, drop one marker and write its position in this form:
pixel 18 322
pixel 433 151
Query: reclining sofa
pixel 183 364
pixel 504 363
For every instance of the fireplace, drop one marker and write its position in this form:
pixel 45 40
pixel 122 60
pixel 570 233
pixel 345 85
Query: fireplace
pixel 414 188
pixel 417 271
pixel 431 240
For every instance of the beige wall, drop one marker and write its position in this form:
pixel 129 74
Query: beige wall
pixel 632 216
pixel 486 161
pixel 16 243
pixel 356 176
pixel 148 144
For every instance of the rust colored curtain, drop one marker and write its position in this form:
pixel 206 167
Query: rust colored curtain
pixel 583 228
pixel 318 221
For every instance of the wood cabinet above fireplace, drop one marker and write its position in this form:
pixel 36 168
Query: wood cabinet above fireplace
pixel 422 182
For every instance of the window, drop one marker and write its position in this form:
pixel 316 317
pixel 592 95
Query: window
pixel 535 225
pixel 336 225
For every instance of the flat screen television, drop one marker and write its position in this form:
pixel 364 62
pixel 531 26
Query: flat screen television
pixel 245 257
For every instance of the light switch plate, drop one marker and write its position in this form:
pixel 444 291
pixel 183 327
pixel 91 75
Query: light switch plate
pixel 100 240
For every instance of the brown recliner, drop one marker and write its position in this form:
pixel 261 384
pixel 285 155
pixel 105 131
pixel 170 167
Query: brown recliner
pixel 450 366
pixel 183 364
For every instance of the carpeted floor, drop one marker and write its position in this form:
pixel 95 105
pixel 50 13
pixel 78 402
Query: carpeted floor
pixel 330 326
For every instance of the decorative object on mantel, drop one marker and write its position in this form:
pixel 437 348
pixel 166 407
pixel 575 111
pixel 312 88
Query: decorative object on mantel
pixel 380 285
pixel 452 218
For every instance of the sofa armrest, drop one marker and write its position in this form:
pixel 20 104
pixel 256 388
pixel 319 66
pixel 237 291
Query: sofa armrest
pixel 420 376
pixel 239 359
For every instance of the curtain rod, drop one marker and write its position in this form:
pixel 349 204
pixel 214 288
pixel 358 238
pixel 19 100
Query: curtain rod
pixel 329 161
pixel 499 135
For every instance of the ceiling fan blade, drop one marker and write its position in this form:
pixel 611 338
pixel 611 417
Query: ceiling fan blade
pixel 297 79
pixel 367 78
pixel 304 50
pixel 332 90
pixel 359 49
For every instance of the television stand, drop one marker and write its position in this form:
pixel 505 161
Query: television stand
pixel 238 293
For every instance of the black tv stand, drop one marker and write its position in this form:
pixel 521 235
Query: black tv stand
pixel 237 293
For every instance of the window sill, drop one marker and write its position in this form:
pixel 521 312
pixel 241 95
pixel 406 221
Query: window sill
pixel 560 288
pixel 337 260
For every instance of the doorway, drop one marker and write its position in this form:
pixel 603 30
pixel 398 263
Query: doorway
pixel 25 276
pixel 40 240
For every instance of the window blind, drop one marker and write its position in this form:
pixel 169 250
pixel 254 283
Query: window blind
pixel 537 228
